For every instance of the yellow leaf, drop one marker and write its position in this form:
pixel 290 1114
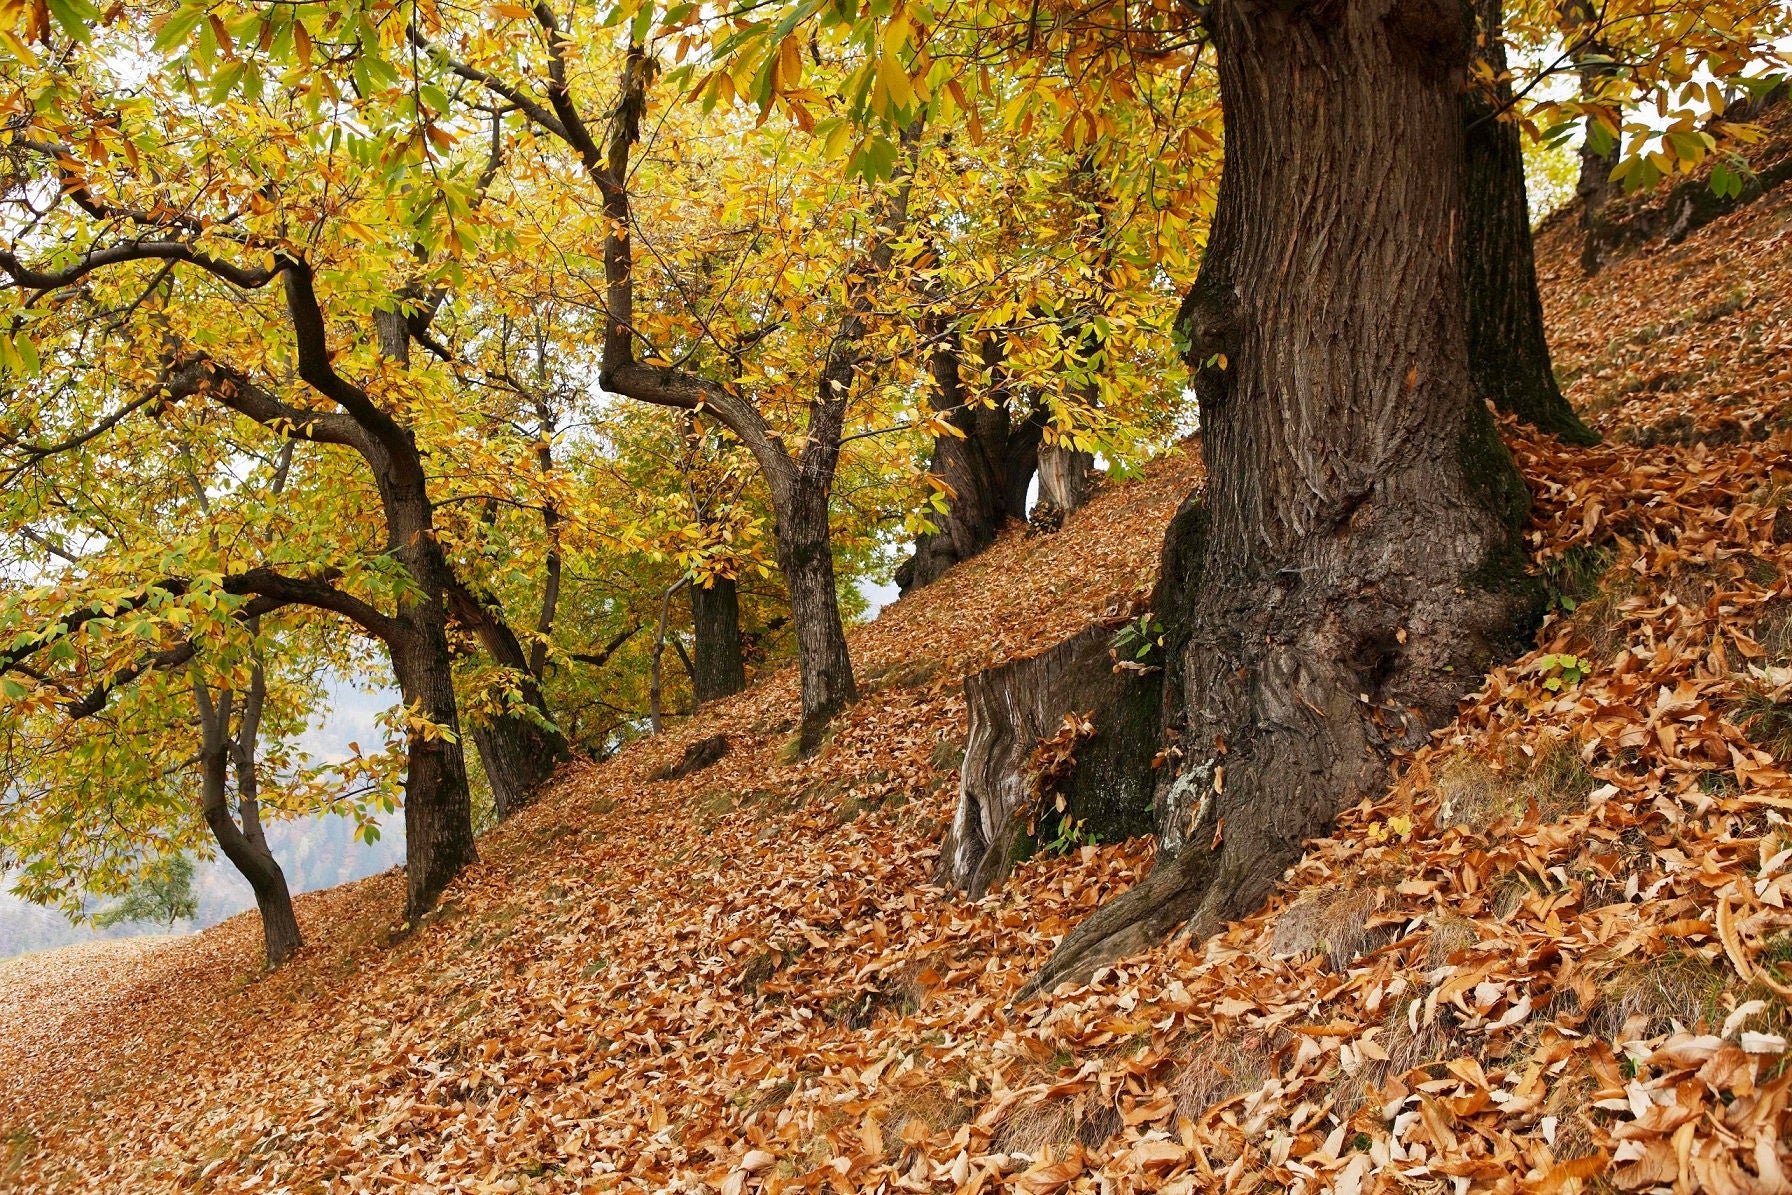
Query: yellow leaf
pixel 894 80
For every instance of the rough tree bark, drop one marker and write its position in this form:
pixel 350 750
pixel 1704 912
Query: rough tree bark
pixel 520 747
pixel 1064 477
pixel 1362 562
pixel 438 807
pixel 806 558
pixel 718 669
pixel 245 845
pixel 1014 705
pixel 1594 188
pixel 1508 354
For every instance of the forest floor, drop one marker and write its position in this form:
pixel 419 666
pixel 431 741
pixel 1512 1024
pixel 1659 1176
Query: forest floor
pixel 1545 960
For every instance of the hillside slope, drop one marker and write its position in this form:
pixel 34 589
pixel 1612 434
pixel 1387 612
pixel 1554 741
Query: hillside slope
pixel 1541 962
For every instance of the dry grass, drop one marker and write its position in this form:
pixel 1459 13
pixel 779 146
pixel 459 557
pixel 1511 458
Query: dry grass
pixel 1408 1049
pixel 1031 1129
pixel 1773 631
pixel 1331 920
pixel 1219 1068
pixel 1648 996
pixel 935 1103
pixel 1765 715
pixel 1480 793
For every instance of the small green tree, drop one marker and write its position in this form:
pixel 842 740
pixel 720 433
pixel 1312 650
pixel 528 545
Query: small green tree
pixel 163 893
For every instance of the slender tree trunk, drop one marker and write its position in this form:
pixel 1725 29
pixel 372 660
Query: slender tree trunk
pixel 1064 471
pixel 1362 560
pixel 1598 149
pixel 1508 355
pixel 656 670
pixel 245 846
pixel 806 558
pixel 719 668
pixel 519 748
pixel 550 526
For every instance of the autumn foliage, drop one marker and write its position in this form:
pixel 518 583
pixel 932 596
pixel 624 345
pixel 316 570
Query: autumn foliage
pixel 1552 955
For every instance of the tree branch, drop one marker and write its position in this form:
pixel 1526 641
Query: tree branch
pixel 74 186
pixel 572 125
pixel 600 658
pixel 316 592
pixel 620 373
pixel 37 452
pixel 212 379
pixel 96 259
pixel 314 367
pixel 528 106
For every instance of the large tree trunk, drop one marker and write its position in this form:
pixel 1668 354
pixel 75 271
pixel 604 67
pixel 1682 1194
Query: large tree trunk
pixel 1064 477
pixel 1362 564
pixel 806 558
pixel 1508 355
pixel 515 759
pixel 438 815
pixel 438 806
pixel 718 669
pixel 1020 460
pixel 976 467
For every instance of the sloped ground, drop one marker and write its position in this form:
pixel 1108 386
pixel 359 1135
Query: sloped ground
pixel 1545 961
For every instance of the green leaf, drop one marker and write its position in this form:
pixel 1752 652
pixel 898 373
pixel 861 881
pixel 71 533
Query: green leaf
pixel 74 16
pixel 179 24
pixel 225 81
pixel 873 160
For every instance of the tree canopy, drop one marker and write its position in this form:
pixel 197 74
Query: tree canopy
pixel 497 349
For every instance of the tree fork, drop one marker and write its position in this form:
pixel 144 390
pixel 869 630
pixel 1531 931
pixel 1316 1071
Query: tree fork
pixel 245 846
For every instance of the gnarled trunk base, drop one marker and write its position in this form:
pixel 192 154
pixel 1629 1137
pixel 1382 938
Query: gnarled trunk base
pixel 1015 705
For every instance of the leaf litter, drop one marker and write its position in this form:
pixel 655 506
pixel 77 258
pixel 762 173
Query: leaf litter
pixel 1552 957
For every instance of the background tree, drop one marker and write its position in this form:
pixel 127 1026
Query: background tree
pixel 1507 350
pixel 135 227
